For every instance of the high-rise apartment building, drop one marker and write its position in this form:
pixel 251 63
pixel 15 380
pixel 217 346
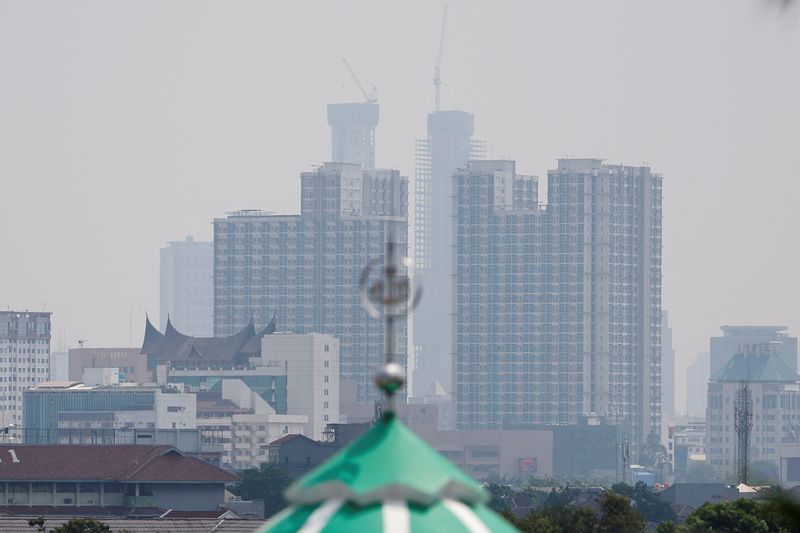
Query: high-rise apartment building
pixel 734 339
pixel 448 147
pixel 187 286
pixel 24 359
pixel 557 309
pixel 667 368
pixel 696 386
pixel 306 268
pixel 353 133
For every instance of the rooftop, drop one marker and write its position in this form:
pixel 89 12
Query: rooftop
pixel 172 345
pixel 107 463
pixel 19 524
pixel 759 367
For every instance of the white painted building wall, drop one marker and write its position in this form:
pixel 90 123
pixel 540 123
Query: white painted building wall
pixel 24 359
pixel 312 376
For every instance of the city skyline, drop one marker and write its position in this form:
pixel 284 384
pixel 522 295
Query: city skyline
pixel 714 130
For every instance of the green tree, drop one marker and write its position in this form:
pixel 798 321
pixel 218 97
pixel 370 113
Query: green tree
pixel 652 448
pixel 267 482
pixel 700 472
pixel 739 516
pixel 617 515
pixel 651 506
pixel 80 525
pixel 764 473
pixel 667 527
pixel 559 519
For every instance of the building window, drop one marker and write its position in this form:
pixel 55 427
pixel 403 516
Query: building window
pixel 325 379
pixel 326 364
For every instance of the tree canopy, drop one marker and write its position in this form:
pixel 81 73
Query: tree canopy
pixel 267 482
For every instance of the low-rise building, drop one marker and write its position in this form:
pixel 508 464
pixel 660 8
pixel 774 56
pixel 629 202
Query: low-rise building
pixel 77 480
pixel 686 442
pixel 72 412
pixel 296 375
pixel 132 364
pixel 243 423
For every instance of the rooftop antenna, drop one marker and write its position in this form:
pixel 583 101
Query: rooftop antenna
pixel 369 97
pixel 743 422
pixel 437 69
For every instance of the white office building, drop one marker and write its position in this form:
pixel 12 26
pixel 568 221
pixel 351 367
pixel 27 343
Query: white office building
pixel 312 376
pixel 24 359
pixel 775 406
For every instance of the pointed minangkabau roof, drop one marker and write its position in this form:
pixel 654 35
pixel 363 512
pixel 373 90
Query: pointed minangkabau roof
pixel 387 476
pixel 272 327
pixel 152 337
pixel 173 345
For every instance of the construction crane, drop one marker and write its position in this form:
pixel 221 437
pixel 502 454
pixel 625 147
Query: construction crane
pixel 437 69
pixel 369 97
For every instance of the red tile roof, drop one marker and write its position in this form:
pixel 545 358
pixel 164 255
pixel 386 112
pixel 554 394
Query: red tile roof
pixel 105 463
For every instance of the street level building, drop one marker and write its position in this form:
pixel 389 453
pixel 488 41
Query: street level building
pixel 306 268
pixel 243 423
pixel 686 444
pixel 24 359
pixel 557 308
pixel 448 147
pixel 775 407
pixel 72 412
pixel 82 481
pixel 187 286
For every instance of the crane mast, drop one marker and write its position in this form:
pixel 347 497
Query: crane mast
pixel 437 69
pixel 369 97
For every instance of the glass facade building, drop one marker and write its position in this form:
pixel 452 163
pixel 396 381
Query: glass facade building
pixel 42 408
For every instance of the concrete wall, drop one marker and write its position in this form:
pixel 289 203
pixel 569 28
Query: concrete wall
pixel 312 369
pixel 189 496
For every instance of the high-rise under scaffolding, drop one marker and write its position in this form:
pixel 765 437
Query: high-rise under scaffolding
pixel 447 148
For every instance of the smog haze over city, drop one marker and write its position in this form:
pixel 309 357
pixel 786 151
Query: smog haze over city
pixel 125 125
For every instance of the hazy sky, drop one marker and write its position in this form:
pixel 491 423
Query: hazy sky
pixel 127 124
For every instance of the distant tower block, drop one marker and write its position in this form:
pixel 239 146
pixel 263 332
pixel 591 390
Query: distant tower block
pixel 353 133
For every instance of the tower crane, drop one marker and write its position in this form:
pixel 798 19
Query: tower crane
pixel 437 69
pixel 369 97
